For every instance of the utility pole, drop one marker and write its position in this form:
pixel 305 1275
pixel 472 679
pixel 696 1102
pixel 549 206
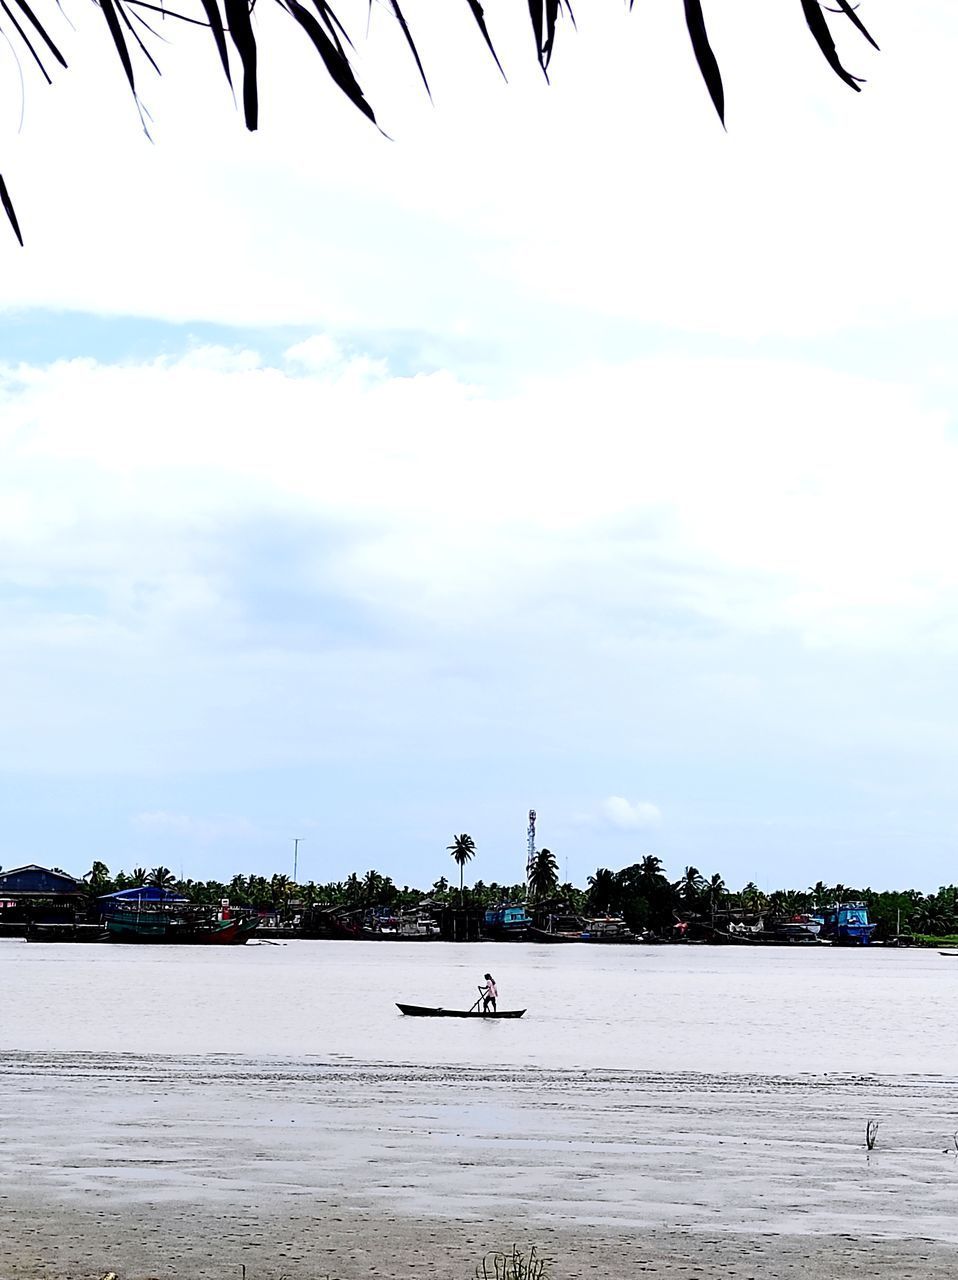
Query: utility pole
pixel 296 842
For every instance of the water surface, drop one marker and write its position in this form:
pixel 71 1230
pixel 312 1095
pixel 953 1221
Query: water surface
pixel 677 1008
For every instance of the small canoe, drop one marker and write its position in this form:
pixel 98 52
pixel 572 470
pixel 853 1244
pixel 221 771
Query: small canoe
pixel 953 954
pixel 420 1011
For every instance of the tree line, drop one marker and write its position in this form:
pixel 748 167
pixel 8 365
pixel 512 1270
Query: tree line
pixel 642 893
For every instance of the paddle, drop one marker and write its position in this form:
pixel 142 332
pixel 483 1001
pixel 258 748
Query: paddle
pixel 479 1001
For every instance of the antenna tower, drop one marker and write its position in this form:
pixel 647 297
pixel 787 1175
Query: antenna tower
pixel 531 853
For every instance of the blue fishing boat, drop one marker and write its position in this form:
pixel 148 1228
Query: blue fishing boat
pixel 507 923
pixel 847 924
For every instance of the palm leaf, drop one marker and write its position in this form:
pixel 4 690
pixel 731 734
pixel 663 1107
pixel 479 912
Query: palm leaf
pixel 551 17
pixel 116 31
pixel 26 40
pixel 538 19
pixel 845 8
pixel 41 31
pixel 241 33
pixel 818 26
pixel 133 32
pixel 211 9
pixel 695 21
pixel 404 26
pixel 336 62
pixel 336 28
pixel 480 17
pixel 9 210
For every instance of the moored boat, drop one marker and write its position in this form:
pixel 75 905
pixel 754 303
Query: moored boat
pixel 800 927
pixel 847 924
pixel 555 935
pixel 159 916
pixel 507 923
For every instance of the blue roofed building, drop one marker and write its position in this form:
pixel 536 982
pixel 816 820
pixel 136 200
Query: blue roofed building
pixel 39 895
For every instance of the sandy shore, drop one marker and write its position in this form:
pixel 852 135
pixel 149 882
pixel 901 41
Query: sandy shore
pixel 196 1167
pixel 76 1244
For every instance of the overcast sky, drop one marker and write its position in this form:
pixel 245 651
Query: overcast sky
pixel 559 451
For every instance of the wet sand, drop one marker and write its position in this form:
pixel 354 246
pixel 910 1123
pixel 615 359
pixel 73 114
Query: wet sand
pixel 82 1245
pixel 298 1167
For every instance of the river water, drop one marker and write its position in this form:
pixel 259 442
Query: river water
pixel 692 1008
pixel 678 1089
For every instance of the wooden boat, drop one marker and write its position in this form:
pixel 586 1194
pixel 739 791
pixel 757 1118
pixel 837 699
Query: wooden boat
pixel 555 935
pixel 420 1011
pixel 163 927
pixel 953 954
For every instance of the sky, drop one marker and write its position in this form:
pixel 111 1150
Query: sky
pixel 552 448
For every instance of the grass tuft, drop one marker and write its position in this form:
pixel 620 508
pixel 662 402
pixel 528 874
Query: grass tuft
pixel 513 1266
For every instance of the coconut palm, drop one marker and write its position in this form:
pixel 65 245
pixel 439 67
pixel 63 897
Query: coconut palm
pixel 544 875
pixel 98 879
pixel 691 884
pixel 463 850
pixel 352 890
pixel 752 898
pixel 235 38
pixel 373 886
pixel 651 873
pixel 716 890
pixel 819 892
pixel 161 878
pixel 280 887
pixel 603 890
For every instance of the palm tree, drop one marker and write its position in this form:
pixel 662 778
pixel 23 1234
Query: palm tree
pixel 98 879
pixel 326 34
pixel 237 891
pixel 280 887
pixel 138 877
pixel 463 850
pixel 353 890
pixel 819 892
pixel 650 870
pixel 752 898
pixel 544 875
pixel 716 890
pixel 161 878
pixel 603 890
pixel 691 884
pixel 373 886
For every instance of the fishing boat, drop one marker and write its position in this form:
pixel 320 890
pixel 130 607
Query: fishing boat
pixel 555 935
pixel 800 927
pixel 150 914
pixel 507 923
pixel 847 924
pixel 420 1011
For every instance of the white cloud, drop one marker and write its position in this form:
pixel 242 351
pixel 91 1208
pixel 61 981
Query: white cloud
pixel 665 221
pixel 629 815
pixel 222 562
pixel 185 828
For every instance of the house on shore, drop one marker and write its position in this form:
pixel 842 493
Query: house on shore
pixel 39 895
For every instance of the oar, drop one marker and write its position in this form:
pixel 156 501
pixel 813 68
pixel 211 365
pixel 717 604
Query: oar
pixel 478 1002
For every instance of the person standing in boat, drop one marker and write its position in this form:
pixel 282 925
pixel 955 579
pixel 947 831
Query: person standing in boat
pixel 489 994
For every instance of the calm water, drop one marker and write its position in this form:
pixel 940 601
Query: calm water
pixel 699 1009
pixel 678 1088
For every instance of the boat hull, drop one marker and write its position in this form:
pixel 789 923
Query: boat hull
pixel 163 931
pixel 420 1011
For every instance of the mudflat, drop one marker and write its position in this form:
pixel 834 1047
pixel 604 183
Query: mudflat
pixel 343 1244
pixel 198 1166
